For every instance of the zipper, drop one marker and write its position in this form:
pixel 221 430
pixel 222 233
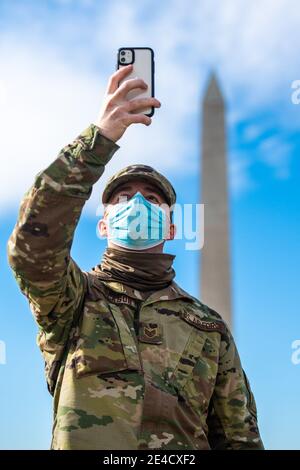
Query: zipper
pixel 136 330
pixel 136 318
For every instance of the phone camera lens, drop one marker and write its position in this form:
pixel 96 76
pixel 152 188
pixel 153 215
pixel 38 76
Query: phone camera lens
pixel 123 53
pixel 122 60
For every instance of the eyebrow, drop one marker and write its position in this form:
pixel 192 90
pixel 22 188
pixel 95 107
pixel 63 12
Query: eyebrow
pixel 147 188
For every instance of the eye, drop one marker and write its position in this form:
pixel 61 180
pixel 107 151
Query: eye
pixel 152 198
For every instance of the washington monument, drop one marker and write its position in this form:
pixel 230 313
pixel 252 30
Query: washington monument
pixel 215 254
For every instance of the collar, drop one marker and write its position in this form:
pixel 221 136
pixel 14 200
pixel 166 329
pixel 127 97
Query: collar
pixel 171 292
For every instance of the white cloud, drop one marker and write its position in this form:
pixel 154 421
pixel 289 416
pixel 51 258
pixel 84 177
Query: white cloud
pixel 47 103
pixel 51 90
pixel 252 132
pixel 276 154
pixel 240 179
pixel 46 106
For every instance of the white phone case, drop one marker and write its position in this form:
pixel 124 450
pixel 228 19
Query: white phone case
pixel 143 67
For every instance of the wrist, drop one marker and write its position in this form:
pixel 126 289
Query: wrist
pixel 106 134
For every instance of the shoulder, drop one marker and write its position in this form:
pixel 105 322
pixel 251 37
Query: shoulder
pixel 200 314
pixel 95 288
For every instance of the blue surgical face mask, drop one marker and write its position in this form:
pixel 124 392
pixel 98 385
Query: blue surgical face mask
pixel 136 224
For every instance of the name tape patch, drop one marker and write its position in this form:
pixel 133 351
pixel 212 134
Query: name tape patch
pixel 203 325
pixel 121 299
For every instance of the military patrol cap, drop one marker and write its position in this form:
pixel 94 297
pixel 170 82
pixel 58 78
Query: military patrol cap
pixel 142 172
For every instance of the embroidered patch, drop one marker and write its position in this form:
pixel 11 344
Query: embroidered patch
pixel 117 298
pixel 150 333
pixel 203 325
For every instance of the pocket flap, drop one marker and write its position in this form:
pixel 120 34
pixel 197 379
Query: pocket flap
pixel 105 344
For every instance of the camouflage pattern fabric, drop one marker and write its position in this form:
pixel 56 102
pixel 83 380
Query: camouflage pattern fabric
pixel 127 370
pixel 140 172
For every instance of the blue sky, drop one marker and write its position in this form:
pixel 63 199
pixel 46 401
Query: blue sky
pixel 55 60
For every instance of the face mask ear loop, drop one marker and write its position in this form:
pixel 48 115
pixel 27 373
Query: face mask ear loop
pixel 161 235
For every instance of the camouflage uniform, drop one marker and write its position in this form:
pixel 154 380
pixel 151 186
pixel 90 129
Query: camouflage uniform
pixel 174 382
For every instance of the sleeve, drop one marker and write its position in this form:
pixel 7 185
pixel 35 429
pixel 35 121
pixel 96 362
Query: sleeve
pixel 39 246
pixel 232 417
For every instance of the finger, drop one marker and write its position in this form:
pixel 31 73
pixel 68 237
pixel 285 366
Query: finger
pixel 128 85
pixel 138 118
pixel 117 76
pixel 135 104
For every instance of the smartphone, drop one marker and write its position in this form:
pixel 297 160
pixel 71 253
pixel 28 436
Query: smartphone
pixel 142 59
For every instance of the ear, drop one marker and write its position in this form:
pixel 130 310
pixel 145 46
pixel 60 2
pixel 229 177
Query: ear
pixel 102 227
pixel 171 232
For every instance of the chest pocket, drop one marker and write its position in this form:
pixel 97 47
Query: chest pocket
pixel 195 374
pixel 188 360
pixel 105 344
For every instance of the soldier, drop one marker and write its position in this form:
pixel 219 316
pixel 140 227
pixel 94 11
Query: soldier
pixel 131 359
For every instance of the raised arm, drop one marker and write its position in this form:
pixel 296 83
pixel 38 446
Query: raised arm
pixel 39 247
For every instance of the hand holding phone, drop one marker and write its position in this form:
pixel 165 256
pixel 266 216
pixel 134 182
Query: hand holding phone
pixel 117 111
pixel 142 59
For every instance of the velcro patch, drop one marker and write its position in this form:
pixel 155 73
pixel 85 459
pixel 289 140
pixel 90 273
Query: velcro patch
pixel 150 333
pixel 203 325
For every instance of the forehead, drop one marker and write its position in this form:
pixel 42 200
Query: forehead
pixel 138 183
